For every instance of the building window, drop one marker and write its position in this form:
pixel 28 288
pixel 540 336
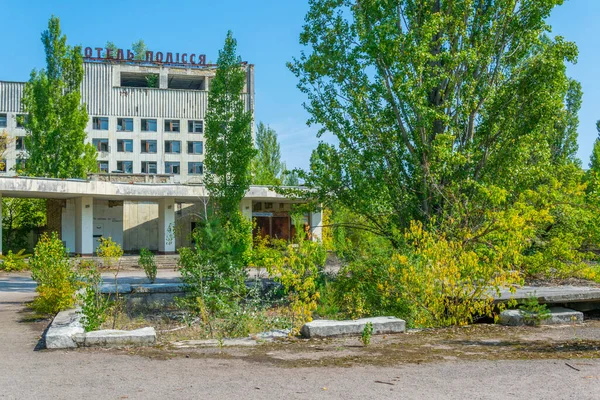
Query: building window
pixel 20 143
pixel 195 168
pixel 148 167
pixel 125 145
pixel 194 147
pixel 20 164
pixel 195 126
pixel 171 125
pixel 2 120
pixel 103 167
pixel 148 125
pixel 172 146
pixel 21 120
pixel 125 167
pixel 101 144
pixel 2 165
pixel 125 124
pixel 172 167
pixel 100 123
pixel 149 146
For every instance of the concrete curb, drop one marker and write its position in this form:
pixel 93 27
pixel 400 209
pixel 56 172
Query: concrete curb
pixel 558 316
pixel 66 332
pixel 328 328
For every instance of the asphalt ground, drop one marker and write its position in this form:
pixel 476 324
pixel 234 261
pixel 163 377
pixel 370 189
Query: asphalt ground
pixel 29 372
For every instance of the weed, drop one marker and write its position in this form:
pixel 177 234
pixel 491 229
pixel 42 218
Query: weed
pixel 367 332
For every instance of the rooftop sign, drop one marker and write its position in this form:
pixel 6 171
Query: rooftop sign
pixel 151 57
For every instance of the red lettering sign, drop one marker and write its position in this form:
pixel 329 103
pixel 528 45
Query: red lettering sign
pixel 150 56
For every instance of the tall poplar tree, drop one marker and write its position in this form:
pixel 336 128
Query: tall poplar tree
pixel 267 167
pixel 57 119
pixel 229 149
pixel 442 109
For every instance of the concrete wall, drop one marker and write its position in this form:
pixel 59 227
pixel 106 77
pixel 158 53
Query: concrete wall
pixel 140 226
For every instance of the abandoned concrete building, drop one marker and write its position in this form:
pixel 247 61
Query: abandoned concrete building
pixel 146 119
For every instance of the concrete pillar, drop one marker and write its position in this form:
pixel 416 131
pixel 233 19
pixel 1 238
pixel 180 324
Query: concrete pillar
pixel 246 207
pixel 0 223
pixel 316 228
pixel 166 226
pixel 84 226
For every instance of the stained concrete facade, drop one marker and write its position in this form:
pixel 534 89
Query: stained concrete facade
pixel 152 130
pixel 156 216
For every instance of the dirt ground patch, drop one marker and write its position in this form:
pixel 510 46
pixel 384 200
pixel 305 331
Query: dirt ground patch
pixel 471 343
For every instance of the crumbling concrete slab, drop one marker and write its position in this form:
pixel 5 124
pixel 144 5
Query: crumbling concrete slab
pixel 558 316
pixel 328 328
pixel 551 294
pixel 117 338
pixel 64 326
pixel 66 332
pixel 111 288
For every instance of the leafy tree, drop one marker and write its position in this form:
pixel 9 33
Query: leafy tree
pixel 19 217
pixel 229 149
pixel 113 47
pixel 445 112
pixel 5 140
pixel 267 166
pixel 595 157
pixel 57 120
pixel 291 178
pixel 139 49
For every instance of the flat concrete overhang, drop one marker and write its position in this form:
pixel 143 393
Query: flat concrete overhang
pixel 46 188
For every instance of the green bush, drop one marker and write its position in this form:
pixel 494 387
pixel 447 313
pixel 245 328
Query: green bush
pixel 94 306
pixel 109 251
pixel 147 262
pixel 14 261
pixel 52 270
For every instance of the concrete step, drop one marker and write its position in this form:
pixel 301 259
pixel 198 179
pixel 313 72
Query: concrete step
pixel 558 316
pixel 329 328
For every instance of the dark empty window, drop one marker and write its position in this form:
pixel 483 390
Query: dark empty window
pixel 103 167
pixel 20 143
pixel 149 146
pixel 172 167
pixel 195 168
pixel 148 167
pixel 2 120
pixel 125 145
pixel 172 146
pixel 100 144
pixel 171 125
pixel 194 147
pixel 148 125
pixel 195 126
pixel 125 124
pixel 100 123
pixel 125 167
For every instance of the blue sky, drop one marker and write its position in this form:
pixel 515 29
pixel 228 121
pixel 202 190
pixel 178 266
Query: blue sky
pixel 267 33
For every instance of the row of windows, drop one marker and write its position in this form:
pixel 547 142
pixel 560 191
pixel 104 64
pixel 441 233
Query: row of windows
pixel 149 167
pixel 148 146
pixel 147 125
pixel 20 120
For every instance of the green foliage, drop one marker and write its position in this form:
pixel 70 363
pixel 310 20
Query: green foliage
pixel 14 261
pixel 109 251
pixel 57 119
pixel 366 334
pixel 533 312
pixel 147 262
pixel 113 48
pixel 19 218
pixel 139 49
pixel 152 80
pixel 299 269
pixel 228 136
pixel 5 140
pixel 94 307
pixel 267 167
pixel 214 269
pixel 52 270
